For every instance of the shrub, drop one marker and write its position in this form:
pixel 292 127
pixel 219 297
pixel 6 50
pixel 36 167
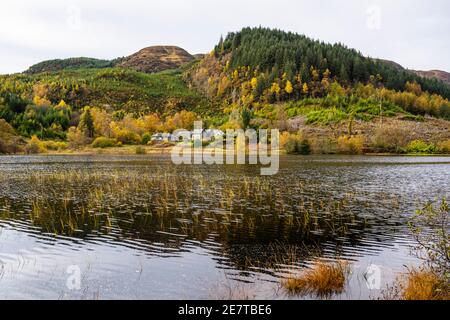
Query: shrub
pixel 140 150
pixel 55 145
pixel 8 139
pixel 146 138
pixel 390 139
pixel 294 144
pixel 444 147
pixel 323 145
pixel 127 137
pixel 419 146
pixel 103 142
pixel 326 116
pixel 351 145
pixel 77 138
pixel 429 227
pixel 35 146
pixel 3 147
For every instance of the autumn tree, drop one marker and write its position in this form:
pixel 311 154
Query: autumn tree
pixel 87 123
pixel 152 123
pixel 289 88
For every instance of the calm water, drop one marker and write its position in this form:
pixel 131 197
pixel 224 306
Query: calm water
pixel 139 227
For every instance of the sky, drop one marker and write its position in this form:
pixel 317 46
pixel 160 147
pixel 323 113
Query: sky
pixel 414 33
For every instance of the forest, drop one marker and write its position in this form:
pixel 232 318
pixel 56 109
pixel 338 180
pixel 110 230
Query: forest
pixel 255 78
pixel 272 53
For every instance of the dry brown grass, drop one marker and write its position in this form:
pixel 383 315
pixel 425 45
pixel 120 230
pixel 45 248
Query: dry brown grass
pixel 323 279
pixel 444 146
pixel 418 285
pixel 424 285
pixel 390 138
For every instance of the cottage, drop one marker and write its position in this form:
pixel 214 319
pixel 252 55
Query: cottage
pixel 213 133
pixel 162 137
pixel 157 137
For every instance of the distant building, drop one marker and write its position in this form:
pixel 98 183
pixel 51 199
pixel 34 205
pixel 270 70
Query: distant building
pixel 162 137
pixel 158 137
pixel 180 136
pixel 213 133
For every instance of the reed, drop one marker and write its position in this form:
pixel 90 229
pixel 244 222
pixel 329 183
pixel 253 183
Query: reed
pixel 322 280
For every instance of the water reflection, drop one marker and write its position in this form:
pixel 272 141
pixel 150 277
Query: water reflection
pixel 346 206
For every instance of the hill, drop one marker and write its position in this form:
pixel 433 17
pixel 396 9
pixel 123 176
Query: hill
pixel 273 54
pixel 71 63
pixel 111 88
pixel 157 59
pixel 432 74
pixel 148 60
pixel 435 74
pixel 259 78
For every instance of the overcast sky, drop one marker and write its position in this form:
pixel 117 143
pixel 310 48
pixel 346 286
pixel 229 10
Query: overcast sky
pixel 414 33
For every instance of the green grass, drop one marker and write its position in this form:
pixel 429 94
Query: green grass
pixel 326 116
pixel 325 112
pixel 121 89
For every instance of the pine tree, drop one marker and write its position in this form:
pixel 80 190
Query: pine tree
pixel 87 123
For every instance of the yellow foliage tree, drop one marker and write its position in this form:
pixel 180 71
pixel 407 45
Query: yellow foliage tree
pixel 224 84
pixel 275 88
pixel 37 100
pixel 235 75
pixel 152 123
pixel 305 88
pixel 289 89
pixel 181 120
pixel 254 83
pixel 62 104
pixel 315 74
pixel 102 121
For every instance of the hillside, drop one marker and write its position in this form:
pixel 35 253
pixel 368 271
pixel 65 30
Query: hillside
pixel 257 67
pixel 270 55
pixel 258 78
pixel 68 64
pixel 111 88
pixel 148 60
pixel 435 74
pixel 157 59
pixel 432 74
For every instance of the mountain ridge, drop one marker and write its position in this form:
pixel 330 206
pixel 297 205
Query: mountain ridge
pixel 430 74
pixel 151 59
pixel 159 58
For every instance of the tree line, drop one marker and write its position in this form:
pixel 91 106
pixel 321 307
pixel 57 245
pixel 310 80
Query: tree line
pixel 272 53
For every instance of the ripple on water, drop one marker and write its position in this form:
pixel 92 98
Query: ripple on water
pixel 111 212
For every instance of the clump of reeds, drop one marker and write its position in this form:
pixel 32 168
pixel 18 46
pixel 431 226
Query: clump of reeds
pixel 429 227
pixel 425 285
pixel 418 285
pixel 323 280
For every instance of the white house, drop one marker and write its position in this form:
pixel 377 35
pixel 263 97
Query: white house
pixel 213 133
pixel 180 136
pixel 161 137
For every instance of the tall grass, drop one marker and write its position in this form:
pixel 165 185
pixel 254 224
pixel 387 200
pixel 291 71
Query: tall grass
pixel 322 280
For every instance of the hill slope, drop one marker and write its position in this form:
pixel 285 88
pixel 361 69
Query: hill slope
pixel 71 63
pixel 157 59
pixel 148 60
pixel 436 74
pixel 272 56
pixel 258 78
pixel 110 88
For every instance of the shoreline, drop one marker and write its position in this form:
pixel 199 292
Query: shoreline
pixel 131 150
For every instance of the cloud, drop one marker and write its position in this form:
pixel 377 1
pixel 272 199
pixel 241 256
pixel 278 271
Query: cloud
pixel 413 33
